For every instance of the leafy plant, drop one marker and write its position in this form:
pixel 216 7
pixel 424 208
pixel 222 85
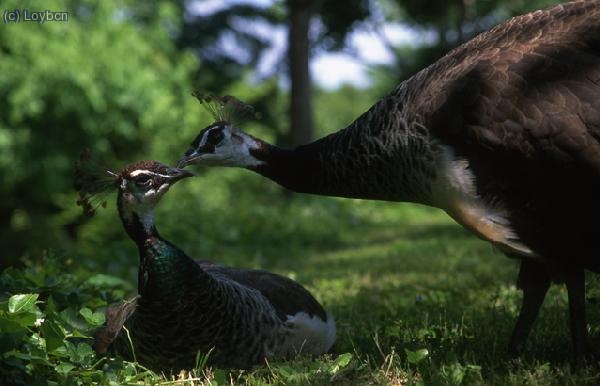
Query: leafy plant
pixel 47 335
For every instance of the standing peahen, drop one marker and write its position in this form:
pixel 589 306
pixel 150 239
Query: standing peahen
pixel 185 307
pixel 502 133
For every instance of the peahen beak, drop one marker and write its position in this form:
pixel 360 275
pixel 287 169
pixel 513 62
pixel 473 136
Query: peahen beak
pixel 176 174
pixel 188 158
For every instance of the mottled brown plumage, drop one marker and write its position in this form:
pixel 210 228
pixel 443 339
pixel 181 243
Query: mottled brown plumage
pixel 503 133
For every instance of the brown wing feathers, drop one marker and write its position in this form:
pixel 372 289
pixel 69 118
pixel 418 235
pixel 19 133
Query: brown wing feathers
pixel 286 296
pixel 528 88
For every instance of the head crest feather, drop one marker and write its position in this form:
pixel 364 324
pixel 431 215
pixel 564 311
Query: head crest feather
pixel 225 108
pixel 92 182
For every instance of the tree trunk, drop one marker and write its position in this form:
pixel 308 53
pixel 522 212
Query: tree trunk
pixel 301 122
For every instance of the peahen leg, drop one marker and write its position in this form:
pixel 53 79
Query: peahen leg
pixel 534 281
pixel 575 281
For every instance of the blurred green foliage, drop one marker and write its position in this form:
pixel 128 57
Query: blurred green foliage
pixel 122 88
pixel 100 80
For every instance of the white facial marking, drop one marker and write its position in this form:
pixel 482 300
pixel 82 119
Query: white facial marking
pixel 149 193
pixel 139 199
pixel 162 189
pixel 136 173
pixel 233 150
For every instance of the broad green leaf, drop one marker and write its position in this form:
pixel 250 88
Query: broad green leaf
pixel 17 321
pixel 340 362
pixel 26 357
pixel 17 354
pixel 80 353
pixel 74 319
pixel 78 334
pixel 9 326
pixel 84 349
pixel 93 318
pixel 64 368
pixel 50 305
pixel 21 302
pixel 453 373
pixel 415 357
pixel 53 335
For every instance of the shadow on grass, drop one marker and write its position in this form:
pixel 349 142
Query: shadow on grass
pixel 450 325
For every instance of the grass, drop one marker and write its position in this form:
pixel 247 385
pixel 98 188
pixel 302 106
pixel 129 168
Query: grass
pixel 417 300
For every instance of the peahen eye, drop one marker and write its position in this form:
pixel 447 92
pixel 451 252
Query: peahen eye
pixel 143 180
pixel 214 136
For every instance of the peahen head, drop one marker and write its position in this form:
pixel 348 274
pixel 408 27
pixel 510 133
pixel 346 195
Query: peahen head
pixel 140 185
pixel 222 143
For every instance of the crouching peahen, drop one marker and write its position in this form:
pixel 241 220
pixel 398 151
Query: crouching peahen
pixel 184 306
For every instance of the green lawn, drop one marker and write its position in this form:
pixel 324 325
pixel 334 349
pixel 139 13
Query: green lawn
pixel 417 300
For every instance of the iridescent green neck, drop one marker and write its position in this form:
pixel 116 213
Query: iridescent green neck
pixel 165 271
